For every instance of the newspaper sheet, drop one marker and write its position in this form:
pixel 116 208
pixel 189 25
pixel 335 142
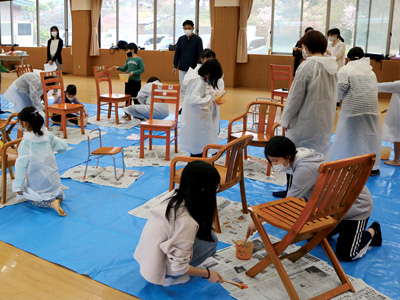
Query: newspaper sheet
pixel 74 135
pixel 103 176
pixel 123 123
pixel 152 158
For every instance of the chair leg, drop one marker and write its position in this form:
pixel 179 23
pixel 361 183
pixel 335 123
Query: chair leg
pixel 141 155
pixel 98 160
pixel 123 162
pixel 3 183
pixel 115 168
pixel 243 195
pixel 82 123
pixel 168 144
pixel 11 172
pixel 47 120
pixel 150 140
pixel 176 140
pixel 116 113
pixel 109 110
pixel 64 125
pixel 87 163
pixel 268 169
pixel 98 110
pixel 217 226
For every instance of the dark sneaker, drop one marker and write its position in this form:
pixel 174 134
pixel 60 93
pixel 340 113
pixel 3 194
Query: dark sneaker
pixel 377 239
pixel 375 173
pixel 280 194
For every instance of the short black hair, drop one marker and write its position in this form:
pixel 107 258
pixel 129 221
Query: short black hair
pixel 355 53
pixel 71 89
pixel 308 29
pixel 208 53
pixel 152 79
pixel 280 146
pixel 132 46
pixel 315 42
pixel 211 68
pixel 188 22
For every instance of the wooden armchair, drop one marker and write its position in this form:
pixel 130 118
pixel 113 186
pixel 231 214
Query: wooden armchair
pixel 231 173
pixel 6 126
pixel 338 187
pixel 8 157
pixel 22 69
pixel 102 74
pixel 265 125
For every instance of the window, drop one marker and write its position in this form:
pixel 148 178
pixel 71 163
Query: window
pixel 314 15
pixel 127 14
pixel 395 41
pixel 24 22
pixel 51 13
pixel 259 27
pixel 108 23
pixel 165 23
pixel 204 23
pixel 185 10
pixel 378 26
pixel 343 16
pixel 68 39
pixel 146 25
pixel 5 22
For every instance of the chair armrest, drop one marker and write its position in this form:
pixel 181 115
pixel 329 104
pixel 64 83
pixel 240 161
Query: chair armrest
pixel 8 120
pixel 210 146
pixel 242 116
pixel 8 145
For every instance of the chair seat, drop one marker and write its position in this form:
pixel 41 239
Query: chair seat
pixel 64 107
pixel 115 97
pixel 222 170
pixel 283 213
pixel 258 138
pixel 107 151
pixel 281 93
pixel 159 123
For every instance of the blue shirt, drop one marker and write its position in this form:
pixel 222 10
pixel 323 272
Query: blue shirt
pixel 188 52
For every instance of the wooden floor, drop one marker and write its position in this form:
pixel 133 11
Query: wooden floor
pixel 25 276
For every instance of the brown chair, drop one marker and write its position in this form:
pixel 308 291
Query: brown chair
pixel 103 151
pixel 281 73
pixel 265 125
pixel 338 187
pixel 102 73
pixel 54 81
pixel 231 173
pixel 161 94
pixel 6 126
pixel 22 69
pixel 8 157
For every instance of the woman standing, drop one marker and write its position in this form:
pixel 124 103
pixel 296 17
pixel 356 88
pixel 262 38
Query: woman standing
pixel 359 127
pixel 54 48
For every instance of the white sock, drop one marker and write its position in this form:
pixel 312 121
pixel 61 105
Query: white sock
pixel 173 281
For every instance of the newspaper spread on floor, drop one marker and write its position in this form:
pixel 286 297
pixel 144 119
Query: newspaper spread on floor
pixel 256 168
pixel 103 176
pixel 74 135
pixel 123 123
pixel 152 158
pixel 309 275
pixel 232 220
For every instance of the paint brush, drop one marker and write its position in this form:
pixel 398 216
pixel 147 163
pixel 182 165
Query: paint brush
pixel 239 285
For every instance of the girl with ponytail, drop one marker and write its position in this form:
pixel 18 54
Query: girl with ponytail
pixel 36 160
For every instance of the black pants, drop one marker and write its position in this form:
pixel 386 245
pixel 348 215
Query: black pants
pixel 57 118
pixel 132 88
pixel 352 239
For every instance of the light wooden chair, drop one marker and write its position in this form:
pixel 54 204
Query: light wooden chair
pixel 8 156
pixel 231 173
pixel 103 151
pixel 338 187
pixel 54 81
pixel 22 69
pixel 266 124
pixel 281 73
pixel 102 74
pixel 161 94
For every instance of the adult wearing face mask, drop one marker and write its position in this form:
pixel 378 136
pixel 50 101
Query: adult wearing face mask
pixel 187 53
pixel 134 66
pixel 54 48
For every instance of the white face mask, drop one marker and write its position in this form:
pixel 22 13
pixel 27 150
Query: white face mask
pixel 54 33
pixel 304 53
pixel 70 99
pixel 187 32
pixel 331 38
pixel 281 168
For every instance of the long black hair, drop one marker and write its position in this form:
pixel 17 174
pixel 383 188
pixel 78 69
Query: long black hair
pixel 58 32
pixel 336 31
pixel 211 68
pixel 280 146
pixel 30 115
pixel 197 191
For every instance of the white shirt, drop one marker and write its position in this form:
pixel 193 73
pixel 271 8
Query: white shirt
pixel 54 47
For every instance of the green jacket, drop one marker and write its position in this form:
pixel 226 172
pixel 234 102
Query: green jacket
pixel 134 64
pixel 2 69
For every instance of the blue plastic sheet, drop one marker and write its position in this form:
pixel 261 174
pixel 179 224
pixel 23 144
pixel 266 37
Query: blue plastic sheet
pixel 98 236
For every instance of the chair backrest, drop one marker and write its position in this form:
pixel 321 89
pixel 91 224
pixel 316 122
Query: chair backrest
pixel 91 136
pixel 234 158
pixel 52 81
pixel 163 93
pixel 101 73
pixel 266 111
pixel 22 69
pixel 281 73
pixel 338 186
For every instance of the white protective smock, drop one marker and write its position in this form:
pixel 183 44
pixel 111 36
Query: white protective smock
pixel 311 104
pixel 391 124
pixel 36 160
pixel 339 52
pixel 142 111
pixel 358 130
pixel 199 115
pixel 25 91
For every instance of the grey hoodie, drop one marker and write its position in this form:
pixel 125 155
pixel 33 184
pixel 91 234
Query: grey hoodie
pixel 305 175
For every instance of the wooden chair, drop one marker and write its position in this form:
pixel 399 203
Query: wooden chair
pixel 8 157
pixel 101 73
pixel 6 126
pixel 161 94
pixel 104 151
pixel 53 81
pixel 231 173
pixel 22 69
pixel 338 187
pixel 265 125
pixel 281 73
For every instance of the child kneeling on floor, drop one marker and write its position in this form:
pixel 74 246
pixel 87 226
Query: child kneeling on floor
pixel 36 160
pixel 70 97
pixel 178 236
